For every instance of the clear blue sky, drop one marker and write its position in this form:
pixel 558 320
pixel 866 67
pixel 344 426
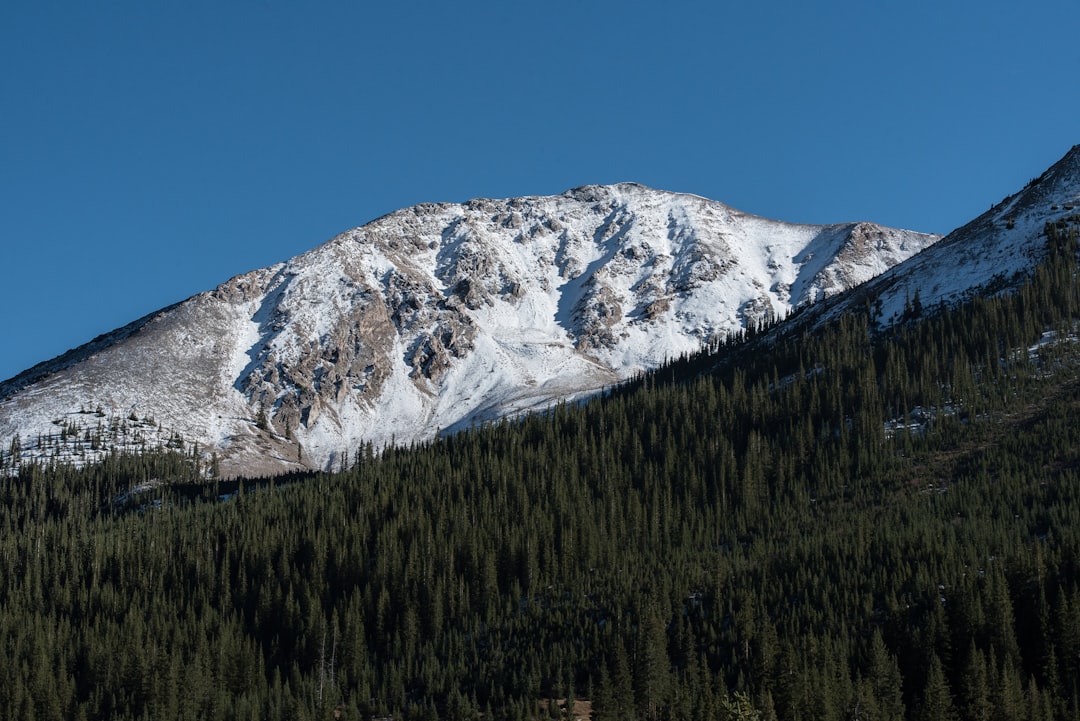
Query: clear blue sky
pixel 152 149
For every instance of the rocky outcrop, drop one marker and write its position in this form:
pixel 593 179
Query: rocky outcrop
pixel 441 315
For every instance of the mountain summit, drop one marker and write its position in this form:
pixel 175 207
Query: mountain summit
pixel 992 253
pixel 433 318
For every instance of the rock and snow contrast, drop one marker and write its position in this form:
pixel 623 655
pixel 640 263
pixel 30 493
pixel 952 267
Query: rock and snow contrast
pixel 434 318
pixel 991 254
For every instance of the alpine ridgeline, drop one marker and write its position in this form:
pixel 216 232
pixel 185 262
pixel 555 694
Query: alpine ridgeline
pixel 437 317
pixel 992 254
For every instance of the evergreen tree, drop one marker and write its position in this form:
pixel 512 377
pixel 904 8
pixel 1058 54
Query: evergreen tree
pixel 652 673
pixel 974 692
pixel 936 703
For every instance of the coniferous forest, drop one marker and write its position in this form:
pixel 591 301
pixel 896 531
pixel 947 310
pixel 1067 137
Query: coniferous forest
pixel 829 523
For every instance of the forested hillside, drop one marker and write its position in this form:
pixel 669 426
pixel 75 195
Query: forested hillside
pixel 820 525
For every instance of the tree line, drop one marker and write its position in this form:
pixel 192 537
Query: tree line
pixel 828 524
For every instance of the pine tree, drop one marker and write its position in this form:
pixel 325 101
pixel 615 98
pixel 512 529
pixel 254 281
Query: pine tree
pixel 974 692
pixel 738 707
pixel 936 703
pixel 885 680
pixel 652 674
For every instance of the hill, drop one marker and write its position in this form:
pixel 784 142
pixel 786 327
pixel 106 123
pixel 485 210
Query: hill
pixel 840 522
pixel 432 319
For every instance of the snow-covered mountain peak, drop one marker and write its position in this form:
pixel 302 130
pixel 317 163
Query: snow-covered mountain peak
pixel 440 315
pixel 991 253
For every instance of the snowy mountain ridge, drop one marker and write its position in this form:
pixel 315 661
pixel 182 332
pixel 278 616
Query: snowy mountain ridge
pixel 990 254
pixel 433 318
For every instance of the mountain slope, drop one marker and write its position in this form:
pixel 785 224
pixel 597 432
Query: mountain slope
pixel 433 318
pixel 784 542
pixel 992 253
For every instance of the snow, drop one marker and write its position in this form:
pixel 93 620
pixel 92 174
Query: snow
pixel 994 249
pixel 521 302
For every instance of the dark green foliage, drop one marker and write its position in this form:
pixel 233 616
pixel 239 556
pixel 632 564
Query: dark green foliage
pixel 742 542
pixel 936 703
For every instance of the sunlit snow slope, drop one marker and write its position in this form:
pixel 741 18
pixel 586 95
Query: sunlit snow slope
pixel 991 254
pixel 434 318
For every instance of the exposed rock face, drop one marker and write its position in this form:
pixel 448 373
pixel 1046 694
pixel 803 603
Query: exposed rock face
pixel 441 315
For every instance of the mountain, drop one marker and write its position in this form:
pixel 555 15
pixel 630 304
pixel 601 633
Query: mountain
pixel 991 254
pixel 834 524
pixel 434 318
